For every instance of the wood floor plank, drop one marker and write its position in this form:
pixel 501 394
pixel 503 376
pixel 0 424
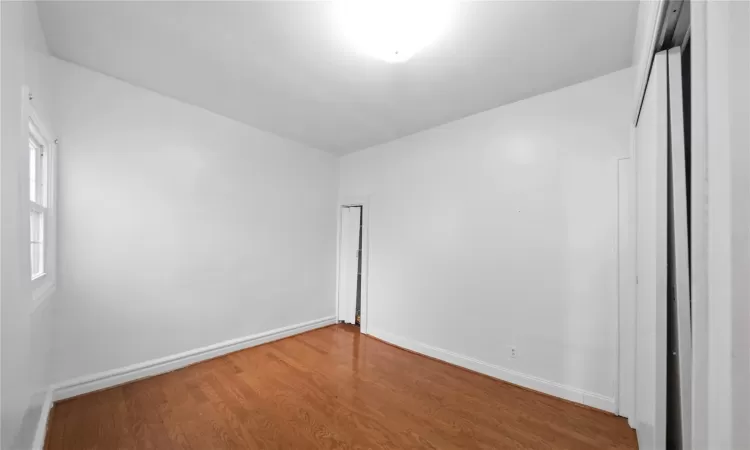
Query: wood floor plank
pixel 331 388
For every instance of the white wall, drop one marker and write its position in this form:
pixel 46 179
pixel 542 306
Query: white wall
pixel 180 228
pixel 500 229
pixel 25 328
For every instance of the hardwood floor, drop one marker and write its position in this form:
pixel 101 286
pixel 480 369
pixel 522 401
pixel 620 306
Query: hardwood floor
pixel 328 389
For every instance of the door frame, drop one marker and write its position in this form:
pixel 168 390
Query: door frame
pixel 720 230
pixel 364 203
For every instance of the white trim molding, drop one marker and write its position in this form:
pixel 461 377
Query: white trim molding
pixel 122 375
pixel 511 376
pixel 626 288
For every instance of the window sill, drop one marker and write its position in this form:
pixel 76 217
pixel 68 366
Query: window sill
pixel 36 277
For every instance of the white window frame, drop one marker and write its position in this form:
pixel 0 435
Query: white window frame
pixel 44 283
pixel 39 205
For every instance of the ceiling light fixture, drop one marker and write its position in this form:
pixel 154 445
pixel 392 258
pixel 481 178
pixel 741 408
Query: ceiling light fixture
pixel 393 30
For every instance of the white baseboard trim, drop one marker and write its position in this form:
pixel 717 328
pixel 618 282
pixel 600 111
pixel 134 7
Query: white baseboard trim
pixel 110 378
pixel 41 427
pixel 521 379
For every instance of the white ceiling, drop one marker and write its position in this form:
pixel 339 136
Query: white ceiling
pixel 283 67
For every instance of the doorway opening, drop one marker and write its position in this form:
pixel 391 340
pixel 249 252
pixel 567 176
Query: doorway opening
pixel 352 266
pixel 358 309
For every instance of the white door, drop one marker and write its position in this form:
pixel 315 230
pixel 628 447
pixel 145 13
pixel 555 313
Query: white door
pixel 678 247
pixel 651 261
pixel 348 262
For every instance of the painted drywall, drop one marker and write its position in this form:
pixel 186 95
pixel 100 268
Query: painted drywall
pixel 180 228
pixel 26 325
pixel 500 230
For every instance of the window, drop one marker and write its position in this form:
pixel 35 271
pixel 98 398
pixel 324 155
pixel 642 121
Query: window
pixel 40 148
pixel 38 196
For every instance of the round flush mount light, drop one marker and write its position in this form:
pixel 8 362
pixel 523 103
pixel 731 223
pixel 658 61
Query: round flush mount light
pixel 393 30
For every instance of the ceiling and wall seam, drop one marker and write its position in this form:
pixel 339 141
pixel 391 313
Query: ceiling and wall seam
pixel 282 68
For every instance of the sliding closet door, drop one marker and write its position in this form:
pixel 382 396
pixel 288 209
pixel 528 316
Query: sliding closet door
pixel 651 260
pixel 680 347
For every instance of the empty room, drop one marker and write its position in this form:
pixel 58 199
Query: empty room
pixel 375 224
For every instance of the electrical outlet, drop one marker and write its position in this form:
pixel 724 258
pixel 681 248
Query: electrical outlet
pixel 513 352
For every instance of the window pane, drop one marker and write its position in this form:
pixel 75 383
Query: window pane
pixel 36 220
pixel 36 259
pixel 32 169
pixel 42 185
pixel 34 223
